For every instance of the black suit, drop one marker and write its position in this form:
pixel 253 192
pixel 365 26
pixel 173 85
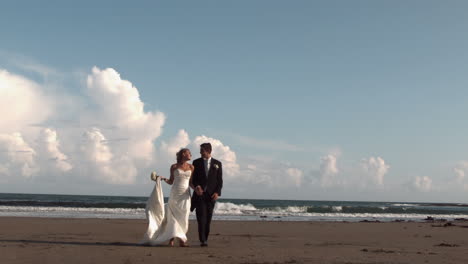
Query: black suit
pixel 204 204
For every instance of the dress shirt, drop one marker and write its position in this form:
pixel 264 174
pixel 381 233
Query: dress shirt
pixel 207 165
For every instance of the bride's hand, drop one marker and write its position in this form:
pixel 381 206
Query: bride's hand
pixel 199 190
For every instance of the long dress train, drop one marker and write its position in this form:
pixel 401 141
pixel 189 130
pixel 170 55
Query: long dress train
pixel 166 221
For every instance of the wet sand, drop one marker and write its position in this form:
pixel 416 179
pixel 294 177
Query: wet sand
pixel 55 240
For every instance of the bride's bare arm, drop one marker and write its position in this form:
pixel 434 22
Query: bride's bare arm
pixel 170 181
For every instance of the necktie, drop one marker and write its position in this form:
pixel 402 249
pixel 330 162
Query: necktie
pixel 206 168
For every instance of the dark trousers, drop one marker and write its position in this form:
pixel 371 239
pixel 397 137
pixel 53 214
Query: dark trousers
pixel 204 212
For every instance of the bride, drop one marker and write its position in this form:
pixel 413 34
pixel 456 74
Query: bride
pixel 166 222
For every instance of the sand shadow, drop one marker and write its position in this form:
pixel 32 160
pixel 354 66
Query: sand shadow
pixel 120 244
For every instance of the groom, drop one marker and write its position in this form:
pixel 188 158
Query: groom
pixel 207 179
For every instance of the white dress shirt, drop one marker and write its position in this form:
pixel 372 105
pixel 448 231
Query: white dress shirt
pixel 207 165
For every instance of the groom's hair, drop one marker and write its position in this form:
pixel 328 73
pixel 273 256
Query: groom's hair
pixel 207 147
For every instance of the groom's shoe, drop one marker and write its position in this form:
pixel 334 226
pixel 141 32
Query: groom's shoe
pixel 203 244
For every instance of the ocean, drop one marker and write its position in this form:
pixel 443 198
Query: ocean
pixel 123 207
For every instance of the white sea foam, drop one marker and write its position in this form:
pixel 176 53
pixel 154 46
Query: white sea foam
pixel 235 209
pixel 294 209
pixel 223 211
pixel 337 208
pixel 72 212
pixel 405 205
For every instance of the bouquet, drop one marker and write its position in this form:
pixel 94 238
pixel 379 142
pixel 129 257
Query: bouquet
pixel 154 176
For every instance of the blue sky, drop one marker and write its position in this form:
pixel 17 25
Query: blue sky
pixel 282 83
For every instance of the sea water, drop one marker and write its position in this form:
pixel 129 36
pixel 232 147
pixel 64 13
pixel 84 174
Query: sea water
pixel 124 207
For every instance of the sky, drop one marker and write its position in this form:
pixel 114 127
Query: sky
pixel 312 100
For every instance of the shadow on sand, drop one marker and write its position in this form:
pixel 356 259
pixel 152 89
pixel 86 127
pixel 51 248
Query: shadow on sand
pixel 121 244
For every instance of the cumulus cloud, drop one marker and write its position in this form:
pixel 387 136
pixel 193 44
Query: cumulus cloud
pixel 117 134
pixel 460 171
pixel 259 171
pixel 264 171
pixel 423 183
pixel 50 146
pixel 109 138
pixel 17 157
pixel 94 147
pixel 221 152
pixel 22 102
pixel 268 173
pixel 169 149
pixel 328 170
pixel 375 169
pixel 296 175
pixel 121 141
pixel 119 105
pixel 102 164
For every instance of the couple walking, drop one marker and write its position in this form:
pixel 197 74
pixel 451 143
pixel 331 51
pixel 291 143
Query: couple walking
pixel 167 222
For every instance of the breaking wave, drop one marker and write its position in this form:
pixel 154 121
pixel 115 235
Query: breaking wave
pixel 69 206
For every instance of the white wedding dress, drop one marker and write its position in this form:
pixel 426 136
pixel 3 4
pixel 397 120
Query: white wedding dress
pixel 166 221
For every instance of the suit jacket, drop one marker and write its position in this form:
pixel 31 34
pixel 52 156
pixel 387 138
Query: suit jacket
pixel 213 183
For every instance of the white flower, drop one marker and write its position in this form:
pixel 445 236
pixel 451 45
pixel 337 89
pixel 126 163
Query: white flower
pixel 216 166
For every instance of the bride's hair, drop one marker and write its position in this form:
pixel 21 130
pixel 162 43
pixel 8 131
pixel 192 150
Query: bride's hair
pixel 179 154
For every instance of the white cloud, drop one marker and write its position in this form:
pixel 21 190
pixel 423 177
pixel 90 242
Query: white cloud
pixel 50 144
pixel 22 102
pixel 17 158
pixel 119 105
pixel 108 138
pixel 296 175
pixel 460 174
pixel 423 183
pixel 113 139
pixel 460 171
pixel 169 149
pixel 121 141
pixel 221 152
pixel 94 147
pixel 259 171
pixel 328 170
pixel 267 174
pixel 375 169
pixel 113 156
pixel 103 164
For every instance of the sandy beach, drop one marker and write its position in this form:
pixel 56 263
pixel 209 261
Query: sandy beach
pixel 49 240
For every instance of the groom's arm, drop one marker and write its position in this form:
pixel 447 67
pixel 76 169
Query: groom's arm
pixel 196 179
pixel 220 179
